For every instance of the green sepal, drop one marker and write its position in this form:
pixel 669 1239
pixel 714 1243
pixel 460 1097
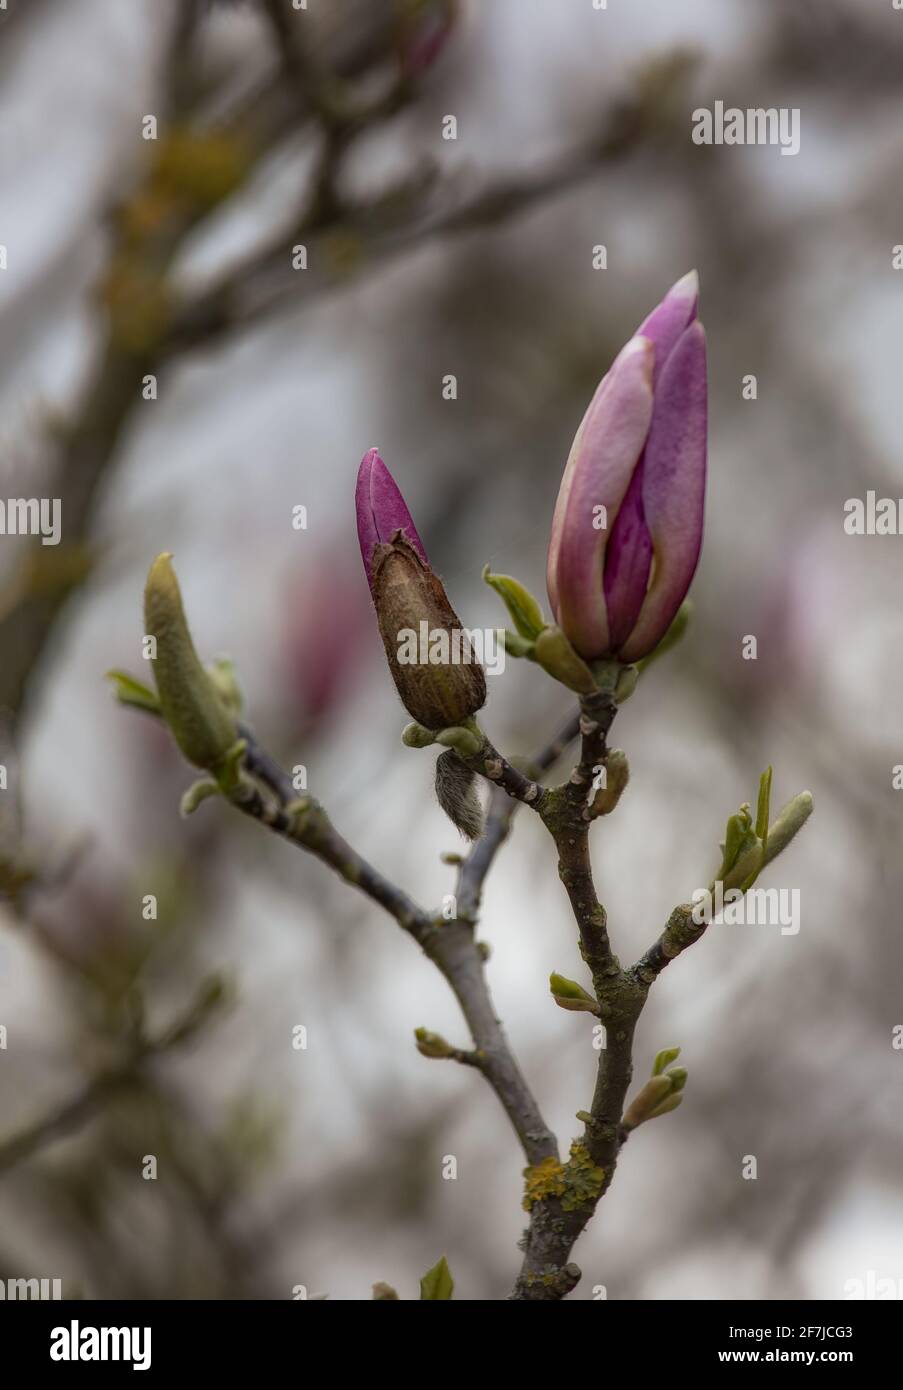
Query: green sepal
pixel 129 691
pixel 669 1103
pixel 462 740
pixel 523 608
pixel 763 805
pixel 571 996
pixel 196 793
pixel 568 989
pixel 437 1283
pixel 664 1059
pixel 555 655
pixel 517 646
pixel 736 832
pixel 228 771
pixel 628 679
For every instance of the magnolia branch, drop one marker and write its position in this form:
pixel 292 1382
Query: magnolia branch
pixel 450 945
pixel 502 808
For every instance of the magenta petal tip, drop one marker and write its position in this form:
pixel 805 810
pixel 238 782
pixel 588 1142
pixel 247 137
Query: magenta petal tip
pixel 381 510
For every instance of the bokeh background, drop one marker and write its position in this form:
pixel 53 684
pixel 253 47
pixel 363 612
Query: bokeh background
pixel 128 257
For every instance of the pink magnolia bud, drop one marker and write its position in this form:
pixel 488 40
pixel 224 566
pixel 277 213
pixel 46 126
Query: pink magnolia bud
pixel 627 528
pixel 409 599
pixel 381 511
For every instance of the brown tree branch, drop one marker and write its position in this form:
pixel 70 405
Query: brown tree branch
pixel 680 932
pixel 450 945
pixel 502 808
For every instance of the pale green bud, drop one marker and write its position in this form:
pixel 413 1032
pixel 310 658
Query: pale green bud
pixel 617 775
pixel 791 819
pixel 525 612
pixel 664 1059
pixel 201 724
pixel 432 1044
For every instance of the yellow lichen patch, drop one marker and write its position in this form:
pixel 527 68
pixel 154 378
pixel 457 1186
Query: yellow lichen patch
pixel 583 1179
pixel 544 1179
pixel 203 167
pixel 146 213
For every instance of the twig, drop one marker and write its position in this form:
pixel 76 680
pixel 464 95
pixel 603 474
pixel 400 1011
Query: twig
pixel 680 932
pixel 502 808
pixel 450 945
pixel 497 770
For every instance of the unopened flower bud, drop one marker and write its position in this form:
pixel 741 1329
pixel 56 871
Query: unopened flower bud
pixel 416 736
pixel 617 775
pixel 444 684
pixel 627 528
pixel 569 995
pixel 652 1094
pixel 791 819
pixel 432 1044
pixel 201 724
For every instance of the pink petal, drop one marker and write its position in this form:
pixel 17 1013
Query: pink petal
pixel 603 457
pixel 628 560
pixel 674 472
pixel 381 509
pixel 668 320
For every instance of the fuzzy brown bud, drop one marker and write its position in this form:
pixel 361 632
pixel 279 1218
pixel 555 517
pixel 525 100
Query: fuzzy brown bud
pixel 430 655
